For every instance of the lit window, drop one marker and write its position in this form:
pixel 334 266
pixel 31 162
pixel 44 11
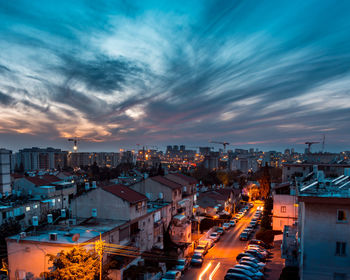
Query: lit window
pixel 341 216
pixel 283 209
pixel 35 206
pixel 28 208
pixel 58 200
pixel 340 249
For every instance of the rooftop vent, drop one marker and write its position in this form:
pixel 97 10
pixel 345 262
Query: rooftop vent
pixel 53 236
pixel 94 213
pixel 35 221
pixel 50 218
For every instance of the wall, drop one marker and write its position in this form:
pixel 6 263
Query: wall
pixel 319 232
pixel 279 218
pixel 108 206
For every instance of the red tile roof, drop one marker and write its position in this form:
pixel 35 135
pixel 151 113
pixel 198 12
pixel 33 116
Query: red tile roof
pixel 125 193
pixel 166 182
pixel 38 181
pixel 51 178
pixel 188 179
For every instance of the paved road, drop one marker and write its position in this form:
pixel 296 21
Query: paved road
pixel 223 255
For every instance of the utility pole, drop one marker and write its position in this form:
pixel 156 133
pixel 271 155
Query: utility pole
pixel 99 249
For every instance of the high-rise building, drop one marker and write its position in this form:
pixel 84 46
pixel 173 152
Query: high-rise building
pixel 5 167
pixel 37 158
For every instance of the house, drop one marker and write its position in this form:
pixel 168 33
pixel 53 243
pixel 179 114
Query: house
pixel 27 252
pixel 285 207
pixel 323 229
pixel 160 188
pixel 110 202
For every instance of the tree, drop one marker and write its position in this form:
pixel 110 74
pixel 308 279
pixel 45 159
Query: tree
pixel 77 263
pixel 265 182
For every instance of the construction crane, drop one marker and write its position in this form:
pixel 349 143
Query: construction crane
pixel 75 141
pixel 309 144
pixel 222 143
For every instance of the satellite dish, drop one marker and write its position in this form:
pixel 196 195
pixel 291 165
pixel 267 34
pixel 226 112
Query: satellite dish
pixel 75 237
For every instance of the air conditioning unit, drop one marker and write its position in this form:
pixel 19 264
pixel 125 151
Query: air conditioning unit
pixel 93 186
pixel 49 219
pixel 94 213
pixel 35 221
pixel 63 213
pixel 22 234
pixel 53 236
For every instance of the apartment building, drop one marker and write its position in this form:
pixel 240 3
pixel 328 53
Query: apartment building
pixel 5 167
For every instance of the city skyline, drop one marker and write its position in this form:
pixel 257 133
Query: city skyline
pixel 260 75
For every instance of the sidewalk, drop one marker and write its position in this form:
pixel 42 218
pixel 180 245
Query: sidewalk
pixel 275 265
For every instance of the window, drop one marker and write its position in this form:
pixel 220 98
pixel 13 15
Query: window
pixel 28 208
pixel 35 206
pixel 340 249
pixel 341 216
pixel 283 209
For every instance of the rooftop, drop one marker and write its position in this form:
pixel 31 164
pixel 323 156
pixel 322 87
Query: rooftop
pixel 327 187
pixel 125 193
pixel 166 182
pixel 87 231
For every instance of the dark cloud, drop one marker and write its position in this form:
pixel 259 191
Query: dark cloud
pixel 6 99
pixel 245 71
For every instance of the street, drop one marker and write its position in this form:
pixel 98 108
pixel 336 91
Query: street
pixel 223 255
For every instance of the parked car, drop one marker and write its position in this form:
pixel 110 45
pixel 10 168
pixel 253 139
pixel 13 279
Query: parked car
pixel 197 260
pixel 260 243
pixel 245 254
pixel 244 236
pixel 255 246
pixel 243 272
pixel 251 258
pixel 207 242
pixel 251 269
pixel 250 228
pixel 226 226
pixel 172 275
pixel 232 223
pixel 220 230
pixel 236 276
pixel 214 236
pixel 257 254
pixel 182 265
pixel 202 249
pixel 252 264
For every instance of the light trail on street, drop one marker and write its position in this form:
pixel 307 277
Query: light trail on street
pixel 223 255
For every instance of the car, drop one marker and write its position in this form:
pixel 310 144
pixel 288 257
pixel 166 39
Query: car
pixel 245 254
pixel 220 230
pixel 251 269
pixel 172 274
pixel 250 228
pixel 244 236
pixel 197 260
pixel 226 226
pixel 252 264
pixel 257 254
pixel 256 246
pixel 238 216
pixel 232 223
pixel 236 276
pixel 182 265
pixel 214 236
pixel 244 272
pixel 252 259
pixel 207 242
pixel 202 249
pixel 253 224
pixel 260 243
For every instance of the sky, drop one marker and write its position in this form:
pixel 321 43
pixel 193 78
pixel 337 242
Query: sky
pixel 268 74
